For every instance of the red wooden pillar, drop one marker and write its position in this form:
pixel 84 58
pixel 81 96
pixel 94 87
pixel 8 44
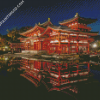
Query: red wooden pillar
pixel 49 46
pixel 88 67
pixel 39 66
pixel 77 68
pixel 88 47
pixel 43 65
pixel 59 45
pixel 66 65
pixel 66 48
pixel 38 45
pixel 69 46
pixel 77 47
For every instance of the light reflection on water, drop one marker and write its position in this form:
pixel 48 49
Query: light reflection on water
pixel 67 77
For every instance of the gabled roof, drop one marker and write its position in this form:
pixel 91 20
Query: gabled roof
pixel 31 30
pixel 79 19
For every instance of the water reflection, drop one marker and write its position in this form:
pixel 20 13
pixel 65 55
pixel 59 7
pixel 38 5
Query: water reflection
pixel 55 76
pixel 67 77
pixel 9 64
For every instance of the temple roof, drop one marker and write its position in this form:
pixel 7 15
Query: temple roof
pixel 27 31
pixel 31 30
pixel 62 28
pixel 66 29
pixel 79 19
pixel 45 24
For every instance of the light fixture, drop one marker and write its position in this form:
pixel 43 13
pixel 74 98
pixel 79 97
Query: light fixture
pixel 94 45
pixel 6 47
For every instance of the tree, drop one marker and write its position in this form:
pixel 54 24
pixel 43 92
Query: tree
pixel 3 42
pixel 14 33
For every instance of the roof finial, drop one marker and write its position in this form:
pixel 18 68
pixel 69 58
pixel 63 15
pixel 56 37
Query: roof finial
pixel 48 19
pixel 77 15
pixel 39 23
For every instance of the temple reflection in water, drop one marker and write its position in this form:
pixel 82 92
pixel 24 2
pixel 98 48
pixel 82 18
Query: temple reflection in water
pixel 54 75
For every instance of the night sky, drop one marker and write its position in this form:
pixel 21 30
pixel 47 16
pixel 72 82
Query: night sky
pixel 34 11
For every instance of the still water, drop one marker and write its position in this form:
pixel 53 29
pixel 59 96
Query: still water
pixel 25 78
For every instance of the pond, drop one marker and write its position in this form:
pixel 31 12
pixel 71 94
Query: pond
pixel 25 78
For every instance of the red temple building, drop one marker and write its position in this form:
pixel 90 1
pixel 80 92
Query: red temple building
pixel 33 42
pixel 72 36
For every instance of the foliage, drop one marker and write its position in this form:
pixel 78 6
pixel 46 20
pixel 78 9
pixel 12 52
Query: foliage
pixel 3 42
pixel 14 33
pixel 99 43
pixel 12 36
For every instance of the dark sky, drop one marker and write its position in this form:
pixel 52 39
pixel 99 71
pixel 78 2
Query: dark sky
pixel 34 11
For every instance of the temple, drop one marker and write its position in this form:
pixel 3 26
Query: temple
pixel 71 36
